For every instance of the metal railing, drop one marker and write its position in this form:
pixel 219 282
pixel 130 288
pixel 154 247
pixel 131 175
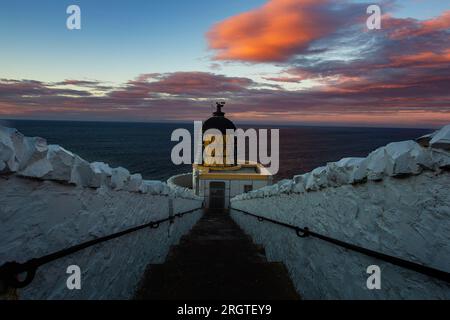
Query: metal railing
pixel 10 271
pixel 306 232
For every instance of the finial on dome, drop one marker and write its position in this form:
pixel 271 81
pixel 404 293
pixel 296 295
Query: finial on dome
pixel 219 105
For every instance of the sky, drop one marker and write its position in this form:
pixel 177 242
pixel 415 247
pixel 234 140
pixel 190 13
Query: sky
pixel 273 61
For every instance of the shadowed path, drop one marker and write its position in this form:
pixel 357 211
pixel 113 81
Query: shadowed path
pixel 216 260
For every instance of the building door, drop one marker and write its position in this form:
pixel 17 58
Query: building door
pixel 217 195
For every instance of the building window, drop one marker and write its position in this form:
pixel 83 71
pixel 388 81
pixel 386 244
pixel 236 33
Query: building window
pixel 248 188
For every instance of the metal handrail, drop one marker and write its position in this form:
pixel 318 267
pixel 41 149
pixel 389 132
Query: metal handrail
pixel 10 271
pixel 306 232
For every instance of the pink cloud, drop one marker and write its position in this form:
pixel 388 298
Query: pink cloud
pixel 182 83
pixel 403 28
pixel 274 32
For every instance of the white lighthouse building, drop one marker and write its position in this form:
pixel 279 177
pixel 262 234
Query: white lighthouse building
pixel 218 183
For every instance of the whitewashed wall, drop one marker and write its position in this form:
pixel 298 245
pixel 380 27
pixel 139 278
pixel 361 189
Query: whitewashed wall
pixel 232 188
pixel 395 201
pixel 405 218
pixel 51 199
pixel 40 217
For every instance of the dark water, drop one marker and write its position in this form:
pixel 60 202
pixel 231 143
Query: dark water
pixel 146 147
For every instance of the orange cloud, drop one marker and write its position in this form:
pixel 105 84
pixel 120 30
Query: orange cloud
pixel 403 28
pixel 273 32
pixel 422 59
pixel 440 23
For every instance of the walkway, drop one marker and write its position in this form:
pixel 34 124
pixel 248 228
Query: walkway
pixel 216 260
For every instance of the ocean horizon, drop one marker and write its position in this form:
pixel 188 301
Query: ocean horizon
pixel 5 121
pixel 145 147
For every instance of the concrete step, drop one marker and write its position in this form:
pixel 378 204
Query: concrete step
pixel 216 261
pixel 215 250
pixel 254 281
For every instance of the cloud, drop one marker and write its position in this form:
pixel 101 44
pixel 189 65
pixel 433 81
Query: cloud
pixel 91 84
pixel 343 100
pixel 14 88
pixel 279 29
pixel 404 66
pixel 403 28
pixel 291 76
pixel 189 84
pixel 155 96
pixel 398 75
pixel 78 82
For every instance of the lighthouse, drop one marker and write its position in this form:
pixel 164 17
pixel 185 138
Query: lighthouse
pixel 216 182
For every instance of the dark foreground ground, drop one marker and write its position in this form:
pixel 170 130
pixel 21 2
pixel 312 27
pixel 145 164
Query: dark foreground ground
pixel 216 261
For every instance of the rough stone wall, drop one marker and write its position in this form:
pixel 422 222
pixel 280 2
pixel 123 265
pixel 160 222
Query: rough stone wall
pixel 41 217
pixel 51 199
pixel 395 201
pixel 407 218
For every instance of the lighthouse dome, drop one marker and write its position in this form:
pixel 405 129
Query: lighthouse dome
pixel 218 121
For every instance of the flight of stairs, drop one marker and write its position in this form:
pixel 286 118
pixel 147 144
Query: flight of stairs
pixel 216 261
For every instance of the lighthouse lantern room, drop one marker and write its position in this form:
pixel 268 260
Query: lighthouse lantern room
pixel 218 183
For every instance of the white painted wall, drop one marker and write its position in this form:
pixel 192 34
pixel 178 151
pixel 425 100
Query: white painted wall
pixel 40 217
pixel 232 188
pixel 395 201
pixel 51 199
pixel 407 218
pixel 184 181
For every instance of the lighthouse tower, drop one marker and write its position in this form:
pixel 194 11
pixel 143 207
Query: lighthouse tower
pixel 216 182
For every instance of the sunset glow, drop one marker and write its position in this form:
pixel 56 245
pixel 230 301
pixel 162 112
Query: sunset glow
pixel 276 61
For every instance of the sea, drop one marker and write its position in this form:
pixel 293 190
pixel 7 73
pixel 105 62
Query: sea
pixel 146 147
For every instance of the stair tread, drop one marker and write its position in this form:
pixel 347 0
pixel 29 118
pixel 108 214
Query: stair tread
pixel 226 281
pixel 213 263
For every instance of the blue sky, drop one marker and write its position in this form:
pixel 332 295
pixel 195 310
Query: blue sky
pixel 121 39
pixel 118 40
